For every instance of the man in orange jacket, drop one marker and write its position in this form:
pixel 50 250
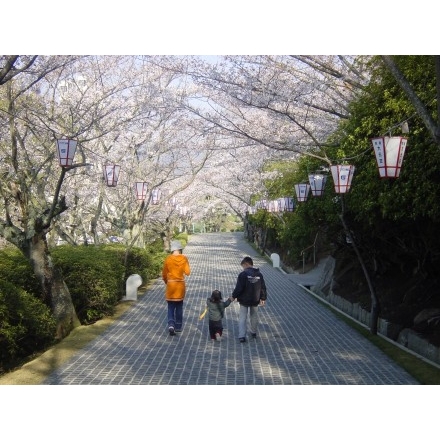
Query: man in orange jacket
pixel 175 267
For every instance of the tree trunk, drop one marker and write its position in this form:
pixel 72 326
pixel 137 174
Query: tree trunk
pixel 55 292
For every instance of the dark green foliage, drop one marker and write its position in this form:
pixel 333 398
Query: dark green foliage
pixel 16 269
pixel 26 325
pixel 96 276
pixel 146 262
pixel 93 276
pixel 394 222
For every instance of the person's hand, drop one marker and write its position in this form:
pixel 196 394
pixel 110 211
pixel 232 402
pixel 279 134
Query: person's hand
pixel 262 302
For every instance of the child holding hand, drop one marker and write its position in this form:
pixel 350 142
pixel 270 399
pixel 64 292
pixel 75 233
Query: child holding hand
pixel 216 310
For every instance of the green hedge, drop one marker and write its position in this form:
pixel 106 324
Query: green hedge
pixel 17 270
pixel 26 325
pixel 96 277
pixel 93 276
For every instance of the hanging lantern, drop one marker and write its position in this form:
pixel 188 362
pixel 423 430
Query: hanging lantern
pixel 111 174
pixel 281 204
pixel 273 206
pixel 155 196
pixel 317 183
pixel 389 154
pixel 342 176
pixel 66 149
pixel 288 204
pixel 302 191
pixel 141 190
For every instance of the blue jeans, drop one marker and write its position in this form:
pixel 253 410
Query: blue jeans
pixel 175 314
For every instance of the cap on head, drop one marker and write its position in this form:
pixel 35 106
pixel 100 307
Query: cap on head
pixel 176 246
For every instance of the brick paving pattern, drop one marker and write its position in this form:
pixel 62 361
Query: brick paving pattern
pixel 300 342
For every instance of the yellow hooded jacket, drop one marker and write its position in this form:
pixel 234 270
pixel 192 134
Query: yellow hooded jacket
pixel 174 270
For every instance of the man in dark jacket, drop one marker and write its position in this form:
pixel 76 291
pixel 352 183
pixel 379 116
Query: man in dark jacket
pixel 250 291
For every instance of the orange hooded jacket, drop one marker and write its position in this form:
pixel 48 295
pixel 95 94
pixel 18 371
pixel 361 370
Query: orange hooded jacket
pixel 174 270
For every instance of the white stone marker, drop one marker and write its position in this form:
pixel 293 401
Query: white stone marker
pixel 275 260
pixel 132 284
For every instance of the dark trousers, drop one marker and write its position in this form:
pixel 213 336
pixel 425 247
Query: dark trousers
pixel 215 327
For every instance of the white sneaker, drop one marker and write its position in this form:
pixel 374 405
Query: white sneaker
pixel 218 337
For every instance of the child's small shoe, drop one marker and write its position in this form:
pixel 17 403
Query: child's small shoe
pixel 218 337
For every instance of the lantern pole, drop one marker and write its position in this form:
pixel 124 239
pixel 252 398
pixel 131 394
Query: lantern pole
pixel 375 305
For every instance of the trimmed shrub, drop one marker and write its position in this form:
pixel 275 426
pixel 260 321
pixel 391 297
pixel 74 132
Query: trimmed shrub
pixel 15 268
pixel 26 325
pixel 93 276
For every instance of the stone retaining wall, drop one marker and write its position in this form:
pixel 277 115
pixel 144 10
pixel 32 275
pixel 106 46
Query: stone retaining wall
pixel 402 336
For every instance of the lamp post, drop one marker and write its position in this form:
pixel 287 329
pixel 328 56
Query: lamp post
pixel 389 153
pixel 66 149
pixel 342 176
pixel 111 174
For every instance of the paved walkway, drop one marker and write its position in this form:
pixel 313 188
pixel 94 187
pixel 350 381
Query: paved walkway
pixel 300 341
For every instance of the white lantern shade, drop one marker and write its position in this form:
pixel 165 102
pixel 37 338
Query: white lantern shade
pixel 302 191
pixel 317 183
pixel 66 149
pixel 281 204
pixel 111 174
pixel 141 190
pixel 273 206
pixel 342 177
pixel 289 204
pixel 389 153
pixel 155 196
